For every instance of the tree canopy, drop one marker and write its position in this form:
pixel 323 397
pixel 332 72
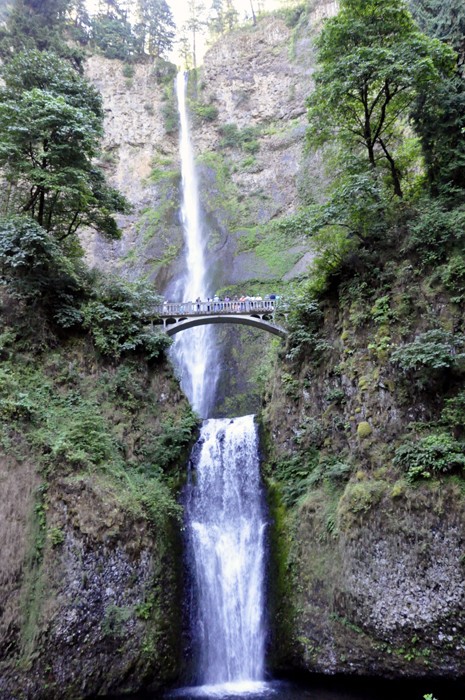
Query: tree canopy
pixel 39 24
pixel 439 115
pixel 51 122
pixel 373 62
pixel 155 27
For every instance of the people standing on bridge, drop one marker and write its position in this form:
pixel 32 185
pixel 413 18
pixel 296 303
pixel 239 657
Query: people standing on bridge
pixel 197 301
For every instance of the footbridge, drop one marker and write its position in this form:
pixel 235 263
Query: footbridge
pixel 260 314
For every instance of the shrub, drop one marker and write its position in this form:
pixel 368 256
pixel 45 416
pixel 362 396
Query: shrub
pixel 34 268
pixel 246 139
pixel 128 70
pixel 435 230
pixel 434 351
pixel 170 117
pixel 164 72
pixel 118 317
pixel 435 454
pixel 453 414
pixel 453 278
pixel 207 113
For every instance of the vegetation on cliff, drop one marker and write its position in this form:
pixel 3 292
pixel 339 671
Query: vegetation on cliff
pixel 94 429
pixel 364 412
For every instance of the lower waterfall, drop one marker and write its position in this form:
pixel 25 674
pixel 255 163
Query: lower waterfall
pixel 226 524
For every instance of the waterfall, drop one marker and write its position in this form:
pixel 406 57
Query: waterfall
pixel 225 517
pixel 226 525
pixel 194 349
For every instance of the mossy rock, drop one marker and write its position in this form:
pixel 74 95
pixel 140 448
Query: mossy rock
pixel 364 429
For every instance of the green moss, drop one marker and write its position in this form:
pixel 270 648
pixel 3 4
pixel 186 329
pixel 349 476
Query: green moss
pixel 364 429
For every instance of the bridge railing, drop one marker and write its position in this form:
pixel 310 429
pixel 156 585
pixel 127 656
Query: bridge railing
pixel 265 306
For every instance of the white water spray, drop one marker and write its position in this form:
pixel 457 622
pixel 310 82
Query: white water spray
pixel 226 530
pixel 194 350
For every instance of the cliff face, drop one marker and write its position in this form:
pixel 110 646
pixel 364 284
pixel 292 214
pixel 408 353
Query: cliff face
pixel 369 557
pixel 92 455
pixel 248 118
pixel 254 82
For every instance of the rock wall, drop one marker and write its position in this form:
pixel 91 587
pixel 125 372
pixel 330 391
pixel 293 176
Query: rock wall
pixel 91 567
pixel 255 77
pixel 369 562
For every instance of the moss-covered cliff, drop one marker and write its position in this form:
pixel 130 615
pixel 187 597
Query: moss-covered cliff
pixel 364 419
pixel 93 450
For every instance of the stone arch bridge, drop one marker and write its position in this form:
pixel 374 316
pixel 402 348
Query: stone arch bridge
pixel 179 317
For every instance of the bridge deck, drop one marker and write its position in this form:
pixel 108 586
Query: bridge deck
pixel 260 314
pixel 203 308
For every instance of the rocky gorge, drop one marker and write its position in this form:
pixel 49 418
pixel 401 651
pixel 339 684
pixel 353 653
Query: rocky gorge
pixel 366 572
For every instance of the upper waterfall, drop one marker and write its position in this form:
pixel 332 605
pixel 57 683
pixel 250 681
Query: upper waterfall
pixel 194 351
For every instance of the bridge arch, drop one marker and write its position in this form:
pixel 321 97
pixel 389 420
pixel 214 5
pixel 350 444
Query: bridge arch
pixel 255 321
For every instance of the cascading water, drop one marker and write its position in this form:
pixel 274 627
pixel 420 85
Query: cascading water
pixel 225 515
pixel 194 350
pixel 226 530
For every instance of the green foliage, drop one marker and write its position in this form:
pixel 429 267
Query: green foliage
pixel 113 623
pixel 164 72
pixel 292 15
pixel 163 451
pixel 453 414
pixel 128 70
pixel 170 117
pixel 42 26
pixel 118 315
pixel 111 32
pixel 444 20
pixel 453 278
pixel 433 351
pixel 51 122
pixel 245 139
pixel 203 112
pixel 33 268
pixel 303 325
pixel 335 396
pixel 223 17
pixel 155 28
pixel 435 454
pixel 435 230
pixel 373 63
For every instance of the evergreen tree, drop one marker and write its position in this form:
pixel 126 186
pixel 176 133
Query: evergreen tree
pixel 112 32
pixel 156 27
pixel 195 23
pixel 51 122
pixel 80 22
pixel 38 24
pixel 444 20
pixel 223 16
pixel 439 115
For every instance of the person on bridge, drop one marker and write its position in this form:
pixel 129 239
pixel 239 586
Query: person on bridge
pixel 197 301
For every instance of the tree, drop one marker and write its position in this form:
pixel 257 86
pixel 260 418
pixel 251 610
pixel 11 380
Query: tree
pixel 195 23
pixel 439 115
pixel 185 51
pixel 156 27
pixel 373 62
pixel 39 24
pixel 444 20
pixel 112 32
pixel 80 22
pixel 51 122
pixel 223 16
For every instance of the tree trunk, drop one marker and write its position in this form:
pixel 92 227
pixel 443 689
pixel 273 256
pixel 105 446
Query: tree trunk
pixel 253 13
pixel 394 171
